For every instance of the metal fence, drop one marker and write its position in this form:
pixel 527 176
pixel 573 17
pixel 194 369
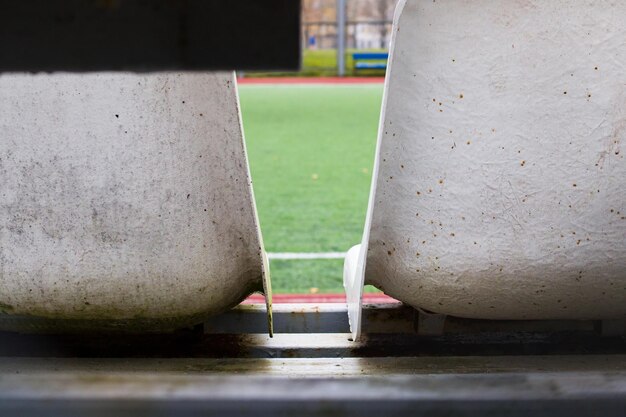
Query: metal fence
pixel 360 34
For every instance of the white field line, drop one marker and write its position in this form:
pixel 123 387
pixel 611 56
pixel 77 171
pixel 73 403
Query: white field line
pixel 292 256
pixel 311 85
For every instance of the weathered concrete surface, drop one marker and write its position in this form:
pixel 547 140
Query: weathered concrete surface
pixel 500 170
pixel 125 198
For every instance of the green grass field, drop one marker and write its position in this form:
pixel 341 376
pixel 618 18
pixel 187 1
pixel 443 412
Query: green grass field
pixel 311 151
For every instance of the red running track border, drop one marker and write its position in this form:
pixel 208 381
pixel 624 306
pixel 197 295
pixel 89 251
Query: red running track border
pixel 312 80
pixel 318 298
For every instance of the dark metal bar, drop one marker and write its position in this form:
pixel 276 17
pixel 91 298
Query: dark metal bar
pixel 149 35
pixel 537 394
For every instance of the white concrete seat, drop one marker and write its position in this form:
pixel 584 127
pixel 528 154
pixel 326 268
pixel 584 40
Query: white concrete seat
pixel 498 189
pixel 126 201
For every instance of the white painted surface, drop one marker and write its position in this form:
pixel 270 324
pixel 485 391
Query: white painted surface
pixel 124 197
pixel 500 185
pixel 355 261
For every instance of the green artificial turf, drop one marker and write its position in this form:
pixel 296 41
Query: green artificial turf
pixel 307 276
pixel 311 151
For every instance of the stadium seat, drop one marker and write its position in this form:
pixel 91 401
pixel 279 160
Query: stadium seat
pixel 126 202
pixel 498 188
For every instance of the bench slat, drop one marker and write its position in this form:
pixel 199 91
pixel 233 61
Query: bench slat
pixel 368 65
pixel 369 55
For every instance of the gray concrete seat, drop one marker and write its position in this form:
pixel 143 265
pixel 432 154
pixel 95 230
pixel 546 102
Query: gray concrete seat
pixel 498 189
pixel 126 201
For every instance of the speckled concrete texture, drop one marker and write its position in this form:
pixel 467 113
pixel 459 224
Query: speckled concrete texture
pixel 500 188
pixel 124 197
